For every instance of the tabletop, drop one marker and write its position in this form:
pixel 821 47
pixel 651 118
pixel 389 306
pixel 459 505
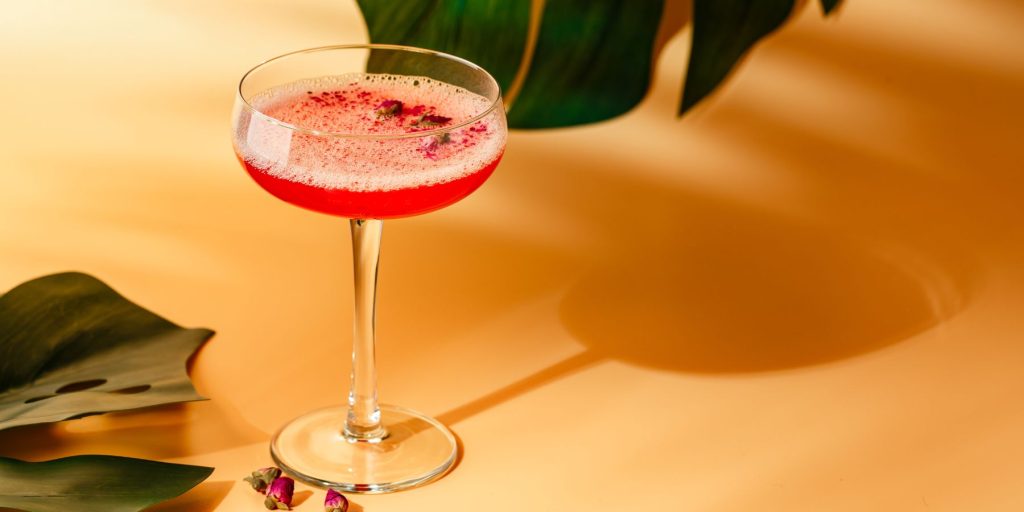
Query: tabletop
pixel 806 294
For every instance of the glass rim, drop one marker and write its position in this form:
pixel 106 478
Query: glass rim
pixel 371 46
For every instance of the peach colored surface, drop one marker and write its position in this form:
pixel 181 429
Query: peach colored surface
pixel 807 295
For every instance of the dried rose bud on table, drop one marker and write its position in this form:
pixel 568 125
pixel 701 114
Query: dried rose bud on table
pixel 335 502
pixel 261 478
pixel 279 494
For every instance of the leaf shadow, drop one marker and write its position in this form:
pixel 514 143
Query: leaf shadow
pixel 204 497
pixel 856 264
pixel 719 287
pixel 161 432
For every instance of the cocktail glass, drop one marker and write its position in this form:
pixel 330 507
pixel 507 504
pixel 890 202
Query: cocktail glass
pixel 367 132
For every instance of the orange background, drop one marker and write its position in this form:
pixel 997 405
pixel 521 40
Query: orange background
pixel 806 295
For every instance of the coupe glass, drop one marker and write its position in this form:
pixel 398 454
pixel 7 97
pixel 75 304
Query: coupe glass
pixel 367 132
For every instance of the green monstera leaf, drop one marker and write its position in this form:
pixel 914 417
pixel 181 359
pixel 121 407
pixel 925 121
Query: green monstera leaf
pixel 569 62
pixel 93 483
pixel 71 346
pixel 466 29
pixel 723 30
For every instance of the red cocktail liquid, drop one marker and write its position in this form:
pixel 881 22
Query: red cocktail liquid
pixel 374 204
pixel 339 145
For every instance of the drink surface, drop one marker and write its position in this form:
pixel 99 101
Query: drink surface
pixel 292 147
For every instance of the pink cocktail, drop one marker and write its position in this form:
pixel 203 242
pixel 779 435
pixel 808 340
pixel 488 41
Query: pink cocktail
pixel 367 132
pixel 383 167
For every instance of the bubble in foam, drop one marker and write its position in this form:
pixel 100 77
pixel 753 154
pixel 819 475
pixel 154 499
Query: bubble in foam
pixel 347 104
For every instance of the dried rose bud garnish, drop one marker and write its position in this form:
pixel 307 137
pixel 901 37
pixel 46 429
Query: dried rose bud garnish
pixel 335 502
pixel 431 120
pixel 389 108
pixel 261 478
pixel 279 494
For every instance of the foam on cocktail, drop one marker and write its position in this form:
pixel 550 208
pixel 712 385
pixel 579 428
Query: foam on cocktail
pixel 349 104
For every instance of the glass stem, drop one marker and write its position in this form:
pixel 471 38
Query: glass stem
pixel 363 421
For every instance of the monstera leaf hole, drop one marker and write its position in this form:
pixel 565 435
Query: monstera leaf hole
pixel 81 386
pixel 38 398
pixel 132 390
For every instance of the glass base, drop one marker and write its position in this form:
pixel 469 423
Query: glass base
pixel 313 449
